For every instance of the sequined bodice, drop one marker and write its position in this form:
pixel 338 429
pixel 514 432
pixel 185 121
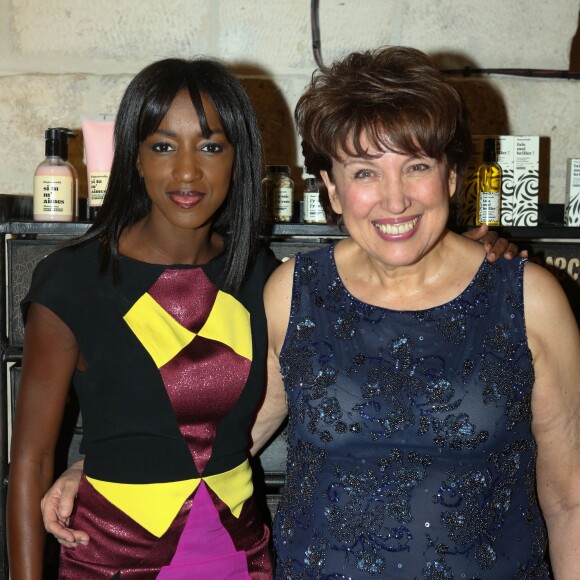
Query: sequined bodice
pixel 411 453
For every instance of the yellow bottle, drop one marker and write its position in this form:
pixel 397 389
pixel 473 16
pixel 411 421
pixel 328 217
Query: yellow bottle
pixel 489 187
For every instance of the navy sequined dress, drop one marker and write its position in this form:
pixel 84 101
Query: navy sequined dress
pixel 410 445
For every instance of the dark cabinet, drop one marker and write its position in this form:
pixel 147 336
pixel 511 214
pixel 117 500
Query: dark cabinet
pixel 25 243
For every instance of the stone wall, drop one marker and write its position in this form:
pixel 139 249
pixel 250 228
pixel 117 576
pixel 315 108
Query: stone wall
pixel 60 59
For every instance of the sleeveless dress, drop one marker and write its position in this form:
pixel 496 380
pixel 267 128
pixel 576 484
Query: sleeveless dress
pixel 410 446
pixel 176 371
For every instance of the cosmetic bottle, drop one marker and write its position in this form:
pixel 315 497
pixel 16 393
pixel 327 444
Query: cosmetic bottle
pixel 278 191
pixel 65 133
pixel 98 139
pixel 489 187
pixel 313 211
pixel 53 195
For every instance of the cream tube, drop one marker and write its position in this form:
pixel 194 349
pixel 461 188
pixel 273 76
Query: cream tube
pixel 98 139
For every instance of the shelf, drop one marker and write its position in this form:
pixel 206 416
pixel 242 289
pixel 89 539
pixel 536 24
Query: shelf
pixel 29 227
pixel 532 233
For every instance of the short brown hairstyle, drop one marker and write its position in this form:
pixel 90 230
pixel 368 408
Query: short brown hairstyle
pixel 394 96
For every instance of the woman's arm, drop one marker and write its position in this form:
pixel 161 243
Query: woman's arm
pixel 50 357
pixel 555 344
pixel 277 297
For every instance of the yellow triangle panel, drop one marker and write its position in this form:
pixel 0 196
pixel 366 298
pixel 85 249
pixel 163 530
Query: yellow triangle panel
pixel 229 322
pixel 152 505
pixel 161 335
pixel 233 487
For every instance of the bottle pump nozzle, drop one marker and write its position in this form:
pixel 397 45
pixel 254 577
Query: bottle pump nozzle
pixel 52 143
pixel 64 133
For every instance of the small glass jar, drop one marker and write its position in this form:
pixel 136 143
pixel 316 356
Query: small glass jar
pixel 278 191
pixel 313 211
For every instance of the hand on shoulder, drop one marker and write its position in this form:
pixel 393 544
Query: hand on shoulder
pixel 494 245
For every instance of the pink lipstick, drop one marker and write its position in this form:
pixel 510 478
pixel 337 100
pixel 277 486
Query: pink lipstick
pixel 185 199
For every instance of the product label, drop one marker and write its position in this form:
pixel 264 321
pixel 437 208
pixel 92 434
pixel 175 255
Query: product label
pixel 489 207
pixel 283 199
pixel 53 196
pixel 574 173
pixel 313 211
pixel 98 184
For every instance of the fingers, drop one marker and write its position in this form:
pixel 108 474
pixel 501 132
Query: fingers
pixel 499 247
pixel 65 535
pixel 78 538
pixel 511 251
pixel 49 506
pixel 479 233
pixel 57 525
pixel 57 506
pixel 68 491
pixel 494 245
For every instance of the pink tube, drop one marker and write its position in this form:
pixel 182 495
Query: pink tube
pixel 98 138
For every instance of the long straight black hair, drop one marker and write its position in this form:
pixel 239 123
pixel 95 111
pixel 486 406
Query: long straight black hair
pixel 143 106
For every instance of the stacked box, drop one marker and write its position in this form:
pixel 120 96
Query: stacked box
pixel 520 208
pixel 467 202
pixel 572 203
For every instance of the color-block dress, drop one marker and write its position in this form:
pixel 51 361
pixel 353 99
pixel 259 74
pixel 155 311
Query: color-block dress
pixel 411 454
pixel 176 370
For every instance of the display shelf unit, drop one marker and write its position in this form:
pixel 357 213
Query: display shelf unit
pixel 25 242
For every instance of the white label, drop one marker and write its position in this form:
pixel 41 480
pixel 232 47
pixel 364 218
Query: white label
pixel 283 199
pixel 489 208
pixel 98 183
pixel 313 211
pixel 53 196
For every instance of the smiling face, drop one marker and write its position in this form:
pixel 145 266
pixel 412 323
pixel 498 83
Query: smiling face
pixel 186 174
pixel 395 206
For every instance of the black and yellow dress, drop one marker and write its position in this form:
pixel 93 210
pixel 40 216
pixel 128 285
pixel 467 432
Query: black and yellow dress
pixel 176 371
